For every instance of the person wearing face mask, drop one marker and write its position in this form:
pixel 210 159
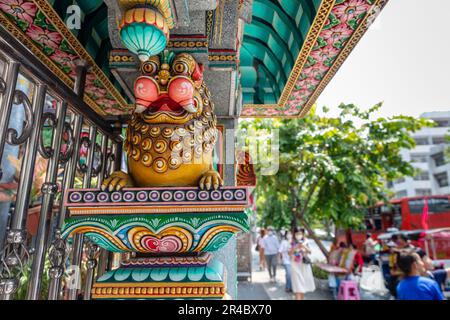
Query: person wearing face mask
pixel 285 247
pixel 260 249
pixel 271 247
pixel 302 276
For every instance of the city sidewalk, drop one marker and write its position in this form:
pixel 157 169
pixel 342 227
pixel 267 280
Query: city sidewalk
pixel 261 289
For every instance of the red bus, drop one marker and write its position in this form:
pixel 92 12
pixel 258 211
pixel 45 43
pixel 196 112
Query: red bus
pixel 404 214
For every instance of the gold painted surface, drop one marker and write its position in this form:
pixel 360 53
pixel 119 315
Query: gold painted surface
pixel 162 5
pixel 158 290
pixel 171 148
pixel 148 16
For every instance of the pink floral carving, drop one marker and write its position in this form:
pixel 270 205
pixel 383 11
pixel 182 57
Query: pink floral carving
pixel 308 82
pixel 351 9
pixel 249 112
pixel 98 92
pixel 25 11
pixel 291 112
pixel 45 37
pixel 336 34
pixel 113 111
pixel 64 58
pixel 311 75
pixel 315 70
pixel 324 53
pixel 105 103
pixel 90 78
pixel 271 112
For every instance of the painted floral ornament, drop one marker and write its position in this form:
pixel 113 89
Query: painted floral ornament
pixel 144 32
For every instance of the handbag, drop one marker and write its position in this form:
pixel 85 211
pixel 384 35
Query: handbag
pixel 306 259
pixel 257 248
pixel 372 280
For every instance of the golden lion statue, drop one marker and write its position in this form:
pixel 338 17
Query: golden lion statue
pixel 171 136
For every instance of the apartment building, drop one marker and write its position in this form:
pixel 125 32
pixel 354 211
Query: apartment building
pixel 429 158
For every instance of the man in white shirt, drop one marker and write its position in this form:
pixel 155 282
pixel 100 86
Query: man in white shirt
pixel 369 248
pixel 271 247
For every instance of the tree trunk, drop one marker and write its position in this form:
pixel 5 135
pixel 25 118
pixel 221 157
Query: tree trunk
pixel 348 236
pixel 300 216
pixel 327 226
pixel 313 236
pixel 293 224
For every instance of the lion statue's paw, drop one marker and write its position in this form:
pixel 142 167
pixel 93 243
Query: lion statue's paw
pixel 117 181
pixel 211 180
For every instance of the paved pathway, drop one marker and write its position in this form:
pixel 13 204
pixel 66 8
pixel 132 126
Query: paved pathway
pixel 261 289
pixel 252 291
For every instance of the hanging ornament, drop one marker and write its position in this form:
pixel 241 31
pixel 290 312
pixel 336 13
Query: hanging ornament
pixel 144 31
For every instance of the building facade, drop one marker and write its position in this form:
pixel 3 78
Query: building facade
pixel 429 158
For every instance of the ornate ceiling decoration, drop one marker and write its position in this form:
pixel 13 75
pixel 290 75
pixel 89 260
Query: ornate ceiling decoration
pixel 290 51
pixel 39 27
pixel 335 31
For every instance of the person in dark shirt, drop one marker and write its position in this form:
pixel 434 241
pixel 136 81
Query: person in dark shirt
pixel 403 242
pixel 397 244
pixel 414 286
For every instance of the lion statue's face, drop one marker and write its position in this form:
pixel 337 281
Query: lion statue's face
pixel 171 135
pixel 172 90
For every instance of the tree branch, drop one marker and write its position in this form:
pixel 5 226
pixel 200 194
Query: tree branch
pixel 316 240
pixel 308 198
pixel 301 215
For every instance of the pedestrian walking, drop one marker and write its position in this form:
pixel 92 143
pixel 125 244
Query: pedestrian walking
pixel 369 249
pixel 260 249
pixel 285 247
pixel 302 276
pixel 271 247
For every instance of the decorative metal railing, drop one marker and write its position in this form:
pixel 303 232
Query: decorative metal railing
pixel 66 124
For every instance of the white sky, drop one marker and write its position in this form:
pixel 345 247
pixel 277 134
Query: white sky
pixel 403 60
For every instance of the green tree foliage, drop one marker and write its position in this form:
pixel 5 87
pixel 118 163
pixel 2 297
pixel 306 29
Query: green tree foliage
pixel 25 281
pixel 332 169
pixel 447 149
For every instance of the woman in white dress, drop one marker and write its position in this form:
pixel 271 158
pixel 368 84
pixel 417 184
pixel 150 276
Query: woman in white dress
pixel 302 276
